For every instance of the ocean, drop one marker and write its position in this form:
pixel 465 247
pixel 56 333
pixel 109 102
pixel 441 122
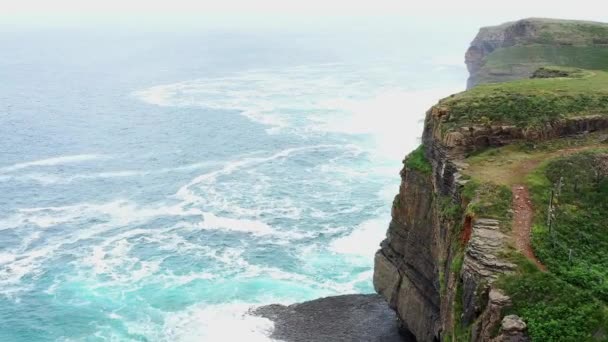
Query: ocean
pixel 156 186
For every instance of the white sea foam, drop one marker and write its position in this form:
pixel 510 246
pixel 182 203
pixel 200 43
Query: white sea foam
pixel 266 96
pixel 388 192
pixel 212 221
pixel 393 117
pixel 173 280
pixel 226 93
pixel 49 178
pixel 216 323
pixel 120 213
pixel 186 194
pixel 79 158
pixel 339 98
pixel 6 257
pixel 363 240
pixel 114 315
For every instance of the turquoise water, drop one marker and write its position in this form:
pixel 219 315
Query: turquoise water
pixel 155 187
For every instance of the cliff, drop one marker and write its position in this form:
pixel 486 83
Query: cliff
pixel 515 50
pixel 460 260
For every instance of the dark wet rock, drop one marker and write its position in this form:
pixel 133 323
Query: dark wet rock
pixel 405 266
pixel 365 318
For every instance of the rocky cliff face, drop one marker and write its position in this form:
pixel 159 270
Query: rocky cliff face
pixel 437 266
pixel 491 38
pixel 406 266
pixel 417 268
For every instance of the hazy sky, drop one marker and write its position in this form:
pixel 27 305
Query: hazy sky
pixel 282 12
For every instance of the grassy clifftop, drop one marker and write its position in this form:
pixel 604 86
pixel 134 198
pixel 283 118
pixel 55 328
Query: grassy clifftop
pixel 569 300
pixel 529 102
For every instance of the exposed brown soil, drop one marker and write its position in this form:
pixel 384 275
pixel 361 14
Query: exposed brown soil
pixel 467 231
pixel 513 168
pixel 522 223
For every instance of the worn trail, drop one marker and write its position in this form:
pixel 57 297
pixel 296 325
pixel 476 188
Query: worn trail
pixel 522 223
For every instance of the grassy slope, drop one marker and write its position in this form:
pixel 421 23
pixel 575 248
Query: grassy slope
pixel 511 164
pixel 586 57
pixel 530 102
pixel 568 303
pixel 576 246
pixel 555 31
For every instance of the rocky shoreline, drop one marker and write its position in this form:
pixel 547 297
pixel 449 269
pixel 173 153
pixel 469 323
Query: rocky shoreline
pixel 353 318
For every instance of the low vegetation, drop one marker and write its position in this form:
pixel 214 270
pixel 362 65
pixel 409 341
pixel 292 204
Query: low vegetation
pixel 571 238
pixel 572 32
pixel 535 56
pixel 530 102
pixel 417 161
pixel 489 200
pixel 553 309
pixel 568 303
pixel 511 164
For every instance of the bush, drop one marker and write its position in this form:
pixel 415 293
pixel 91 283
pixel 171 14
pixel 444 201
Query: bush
pixel 489 200
pixel 553 309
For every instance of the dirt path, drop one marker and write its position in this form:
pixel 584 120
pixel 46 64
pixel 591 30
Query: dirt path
pixel 512 168
pixel 522 223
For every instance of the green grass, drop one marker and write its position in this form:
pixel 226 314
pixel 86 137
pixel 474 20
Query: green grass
pixel 569 32
pixel 557 31
pixel 489 201
pixel 510 165
pixel 534 56
pixel 417 161
pixel 576 246
pixel 448 210
pixel 568 303
pixel 461 332
pixel 529 102
pixel 553 309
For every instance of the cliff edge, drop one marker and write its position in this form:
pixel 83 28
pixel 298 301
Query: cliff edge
pixel 493 235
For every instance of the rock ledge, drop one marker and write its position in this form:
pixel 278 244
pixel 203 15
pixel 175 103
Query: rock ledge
pixel 365 318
